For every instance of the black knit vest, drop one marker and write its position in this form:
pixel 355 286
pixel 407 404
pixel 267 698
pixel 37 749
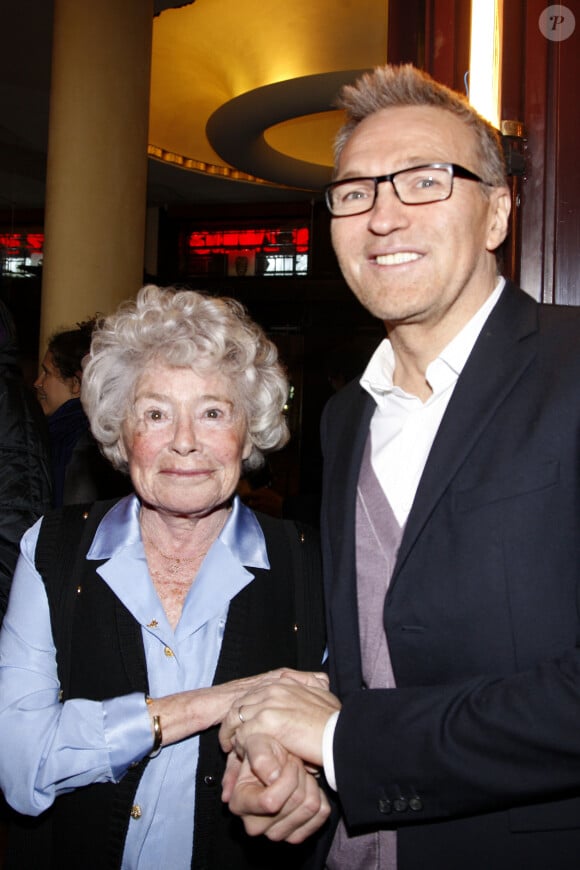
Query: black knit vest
pixel 277 620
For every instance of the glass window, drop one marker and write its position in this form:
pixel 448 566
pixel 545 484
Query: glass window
pixel 246 251
pixel 21 254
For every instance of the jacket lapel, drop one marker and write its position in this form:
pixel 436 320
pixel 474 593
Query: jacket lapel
pixel 499 358
pixel 342 466
pixel 342 459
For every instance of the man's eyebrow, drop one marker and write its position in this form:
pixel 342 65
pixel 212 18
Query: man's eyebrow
pixel 411 162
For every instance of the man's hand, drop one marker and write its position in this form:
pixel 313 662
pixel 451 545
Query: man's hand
pixel 292 709
pixel 273 792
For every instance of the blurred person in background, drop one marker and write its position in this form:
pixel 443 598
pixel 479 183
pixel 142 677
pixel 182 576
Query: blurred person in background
pixel 80 472
pixel 25 476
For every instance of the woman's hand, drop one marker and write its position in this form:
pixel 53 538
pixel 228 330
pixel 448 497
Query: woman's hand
pixel 187 713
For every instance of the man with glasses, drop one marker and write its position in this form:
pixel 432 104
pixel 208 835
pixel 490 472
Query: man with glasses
pixel 450 525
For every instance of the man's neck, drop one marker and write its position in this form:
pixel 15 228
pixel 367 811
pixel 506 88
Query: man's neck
pixel 417 344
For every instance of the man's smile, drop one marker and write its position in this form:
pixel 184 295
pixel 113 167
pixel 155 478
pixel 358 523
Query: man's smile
pixel 397 258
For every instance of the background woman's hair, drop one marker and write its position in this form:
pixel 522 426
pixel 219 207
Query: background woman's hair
pixel 70 346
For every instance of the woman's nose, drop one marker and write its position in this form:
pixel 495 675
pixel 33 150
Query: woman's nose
pixel 184 436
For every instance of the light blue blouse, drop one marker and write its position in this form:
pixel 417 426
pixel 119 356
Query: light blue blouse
pixel 49 748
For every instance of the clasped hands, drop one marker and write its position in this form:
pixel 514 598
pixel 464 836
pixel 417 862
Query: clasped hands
pixel 273 737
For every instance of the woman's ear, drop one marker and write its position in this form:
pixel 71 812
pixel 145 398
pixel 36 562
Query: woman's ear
pixel 123 449
pixel 75 385
pixel 248 447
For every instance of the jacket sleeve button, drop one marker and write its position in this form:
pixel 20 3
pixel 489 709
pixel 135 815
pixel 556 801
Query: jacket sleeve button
pixel 209 780
pixel 385 806
pixel 415 804
pixel 400 805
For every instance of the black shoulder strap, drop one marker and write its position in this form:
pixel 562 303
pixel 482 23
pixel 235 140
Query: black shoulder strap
pixel 63 542
pixel 305 568
pixel 305 549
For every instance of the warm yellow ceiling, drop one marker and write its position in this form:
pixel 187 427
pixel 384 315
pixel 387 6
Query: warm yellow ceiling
pixel 308 137
pixel 234 64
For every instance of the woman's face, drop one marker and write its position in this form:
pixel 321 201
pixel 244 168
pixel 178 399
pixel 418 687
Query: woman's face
pixel 184 440
pixel 52 390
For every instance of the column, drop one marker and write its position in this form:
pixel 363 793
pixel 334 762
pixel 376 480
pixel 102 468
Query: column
pixel 97 159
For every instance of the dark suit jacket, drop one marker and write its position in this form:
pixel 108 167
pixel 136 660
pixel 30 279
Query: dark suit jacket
pixel 475 757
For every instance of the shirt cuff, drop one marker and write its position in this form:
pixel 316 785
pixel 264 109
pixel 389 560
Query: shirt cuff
pixel 328 751
pixel 127 727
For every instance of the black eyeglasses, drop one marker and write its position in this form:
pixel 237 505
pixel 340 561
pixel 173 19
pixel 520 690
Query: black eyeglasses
pixel 419 185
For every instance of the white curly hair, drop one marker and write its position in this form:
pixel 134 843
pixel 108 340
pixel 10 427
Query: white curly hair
pixel 184 328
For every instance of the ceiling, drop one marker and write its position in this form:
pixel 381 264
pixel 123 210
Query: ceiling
pixel 241 95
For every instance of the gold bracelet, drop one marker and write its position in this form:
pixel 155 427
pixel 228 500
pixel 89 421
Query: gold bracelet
pixel 157 732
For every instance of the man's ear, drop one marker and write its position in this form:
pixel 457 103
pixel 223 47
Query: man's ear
pixel 500 206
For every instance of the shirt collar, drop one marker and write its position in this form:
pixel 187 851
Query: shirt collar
pixel 377 378
pixel 119 529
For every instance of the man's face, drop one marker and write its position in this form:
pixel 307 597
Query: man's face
pixel 419 263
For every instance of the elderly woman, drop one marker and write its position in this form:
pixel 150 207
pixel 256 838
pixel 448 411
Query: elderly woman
pixel 132 628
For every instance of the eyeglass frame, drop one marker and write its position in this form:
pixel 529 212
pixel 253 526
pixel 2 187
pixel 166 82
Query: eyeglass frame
pixel 454 169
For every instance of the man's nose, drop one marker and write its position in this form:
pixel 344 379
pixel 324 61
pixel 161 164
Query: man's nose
pixel 388 212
